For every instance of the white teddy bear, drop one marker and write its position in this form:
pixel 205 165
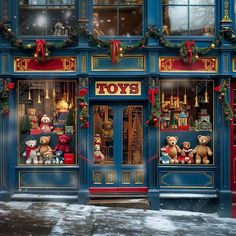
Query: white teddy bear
pixel 30 152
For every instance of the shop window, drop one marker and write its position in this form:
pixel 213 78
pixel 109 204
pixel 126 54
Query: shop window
pixel 117 17
pixel 188 17
pixel 187 120
pixel 46 17
pixel 47 122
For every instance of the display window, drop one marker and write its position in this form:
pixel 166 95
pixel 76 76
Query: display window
pixel 188 17
pixel 46 17
pixel 186 122
pixel 47 122
pixel 122 17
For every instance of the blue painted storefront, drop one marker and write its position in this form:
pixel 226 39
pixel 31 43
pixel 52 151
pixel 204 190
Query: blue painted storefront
pixel 160 182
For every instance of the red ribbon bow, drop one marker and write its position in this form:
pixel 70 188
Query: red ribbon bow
pixel 115 50
pixel 40 43
pixel 217 88
pixel 10 86
pixel 152 92
pixel 188 46
pixel 83 92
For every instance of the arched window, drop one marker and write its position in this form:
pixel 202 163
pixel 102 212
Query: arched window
pixel 188 17
pixel 46 17
pixel 117 17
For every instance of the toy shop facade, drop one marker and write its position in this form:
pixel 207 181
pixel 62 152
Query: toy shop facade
pixel 144 119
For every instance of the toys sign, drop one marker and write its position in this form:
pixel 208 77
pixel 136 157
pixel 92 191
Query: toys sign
pixel 116 88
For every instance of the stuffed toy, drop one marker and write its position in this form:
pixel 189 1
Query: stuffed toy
pixel 31 152
pixel 98 156
pixel 202 150
pixel 58 159
pixel 44 147
pixel 186 154
pixel 47 156
pixel 107 133
pixel 31 113
pixel 165 158
pixel 58 29
pixel 45 124
pixel 63 146
pixel 173 149
pixel 97 139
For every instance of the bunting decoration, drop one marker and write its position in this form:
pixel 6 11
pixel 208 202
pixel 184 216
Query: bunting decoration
pixel 222 90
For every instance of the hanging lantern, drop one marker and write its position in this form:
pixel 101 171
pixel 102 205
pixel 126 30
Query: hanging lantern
pixel 29 95
pixel 206 98
pixel 196 99
pixel 54 93
pixel 185 99
pixel 47 92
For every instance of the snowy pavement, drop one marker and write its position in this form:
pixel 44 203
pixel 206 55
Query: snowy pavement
pixel 47 218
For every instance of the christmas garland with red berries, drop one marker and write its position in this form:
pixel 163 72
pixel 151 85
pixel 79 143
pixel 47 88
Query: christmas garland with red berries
pixel 5 88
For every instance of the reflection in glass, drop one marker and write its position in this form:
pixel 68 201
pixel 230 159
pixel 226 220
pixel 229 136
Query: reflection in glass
pixel 175 19
pixel 175 2
pixel 133 135
pixel 103 135
pixel 201 2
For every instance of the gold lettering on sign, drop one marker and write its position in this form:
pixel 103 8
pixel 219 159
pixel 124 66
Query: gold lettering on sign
pixel 125 88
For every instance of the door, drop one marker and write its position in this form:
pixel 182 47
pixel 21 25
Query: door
pixel 233 140
pixel 118 151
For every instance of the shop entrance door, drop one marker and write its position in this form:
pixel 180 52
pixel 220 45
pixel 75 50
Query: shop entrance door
pixel 119 150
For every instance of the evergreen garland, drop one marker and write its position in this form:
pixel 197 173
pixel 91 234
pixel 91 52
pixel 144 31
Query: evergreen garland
pixel 188 55
pixel 5 88
pixel 84 108
pixel 222 90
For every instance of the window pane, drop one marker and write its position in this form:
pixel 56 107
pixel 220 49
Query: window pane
pixel 33 2
pixel 131 2
pixel 175 18
pixel 176 2
pixel 104 2
pixel 60 21
pixel 202 2
pixel 130 21
pixel 61 2
pixel 202 21
pixel 103 135
pixel 33 21
pixel 105 21
pixel 133 135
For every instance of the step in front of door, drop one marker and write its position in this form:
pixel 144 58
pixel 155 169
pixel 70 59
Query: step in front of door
pixel 234 210
pixel 139 203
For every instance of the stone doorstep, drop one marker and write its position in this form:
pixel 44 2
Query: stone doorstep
pixel 139 203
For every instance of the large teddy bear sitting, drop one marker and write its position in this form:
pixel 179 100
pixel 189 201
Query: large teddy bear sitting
pixel 30 152
pixel 44 147
pixel 202 150
pixel 173 149
pixel 63 144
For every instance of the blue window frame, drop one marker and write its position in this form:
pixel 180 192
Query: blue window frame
pixel 118 17
pixel 188 17
pixel 46 17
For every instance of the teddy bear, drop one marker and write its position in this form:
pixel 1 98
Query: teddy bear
pixel 173 149
pixel 98 156
pixel 31 113
pixel 58 158
pixel 107 132
pixel 45 124
pixel 97 139
pixel 186 154
pixel 47 156
pixel 165 158
pixel 31 152
pixel 202 150
pixel 63 146
pixel 44 147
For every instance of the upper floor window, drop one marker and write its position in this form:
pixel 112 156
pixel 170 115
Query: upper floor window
pixel 188 17
pixel 117 17
pixel 46 17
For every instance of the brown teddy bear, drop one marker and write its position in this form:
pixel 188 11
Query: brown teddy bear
pixel 202 150
pixel 31 112
pixel 44 147
pixel 173 149
pixel 186 154
pixel 107 133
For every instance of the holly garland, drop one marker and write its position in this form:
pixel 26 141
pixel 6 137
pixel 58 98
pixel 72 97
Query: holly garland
pixel 222 90
pixel 155 107
pixel 5 88
pixel 188 51
pixel 84 108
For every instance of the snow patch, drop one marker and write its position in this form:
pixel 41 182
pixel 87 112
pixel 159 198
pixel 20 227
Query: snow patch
pixel 159 223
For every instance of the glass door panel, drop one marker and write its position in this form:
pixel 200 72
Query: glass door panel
pixel 133 135
pixel 103 135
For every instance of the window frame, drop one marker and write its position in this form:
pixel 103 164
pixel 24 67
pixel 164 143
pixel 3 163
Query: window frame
pixel 57 37
pixel 188 5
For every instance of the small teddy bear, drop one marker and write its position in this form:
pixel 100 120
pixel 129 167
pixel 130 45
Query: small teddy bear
pixel 31 152
pixel 165 158
pixel 186 154
pixel 31 113
pixel 47 157
pixel 173 149
pixel 202 150
pixel 98 156
pixel 45 124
